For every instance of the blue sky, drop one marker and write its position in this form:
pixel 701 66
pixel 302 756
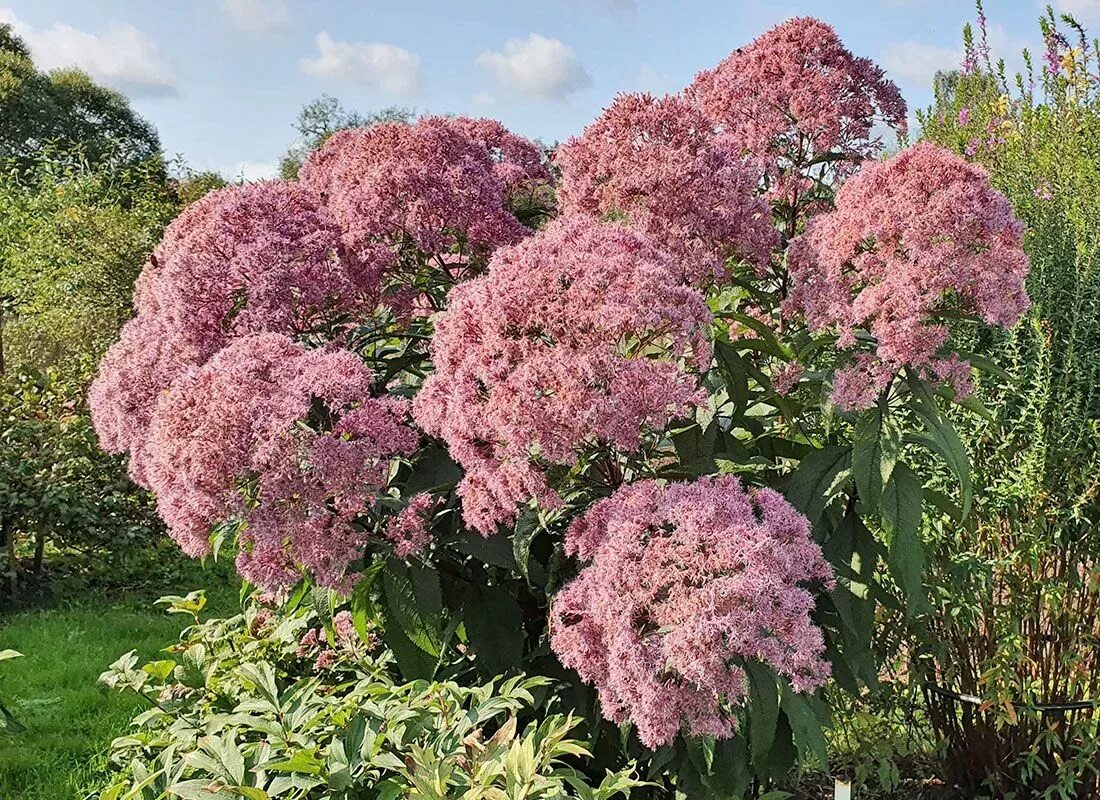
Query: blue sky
pixel 223 79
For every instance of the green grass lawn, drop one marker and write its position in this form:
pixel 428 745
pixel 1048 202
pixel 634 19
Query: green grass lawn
pixel 52 690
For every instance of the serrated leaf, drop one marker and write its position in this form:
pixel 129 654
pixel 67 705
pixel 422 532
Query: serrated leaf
pixel 414 602
pixel 763 710
pixel 732 367
pixel 902 509
pixel 495 550
pixel 527 528
pixel 809 488
pixel 435 470
pixel 943 439
pixel 805 716
pixel 876 445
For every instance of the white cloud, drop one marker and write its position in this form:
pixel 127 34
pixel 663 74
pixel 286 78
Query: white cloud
pixel 537 67
pixel 257 16
pixel 484 100
pixel 650 80
pixel 123 57
pixel 383 67
pixel 916 63
pixel 249 171
pixel 1086 12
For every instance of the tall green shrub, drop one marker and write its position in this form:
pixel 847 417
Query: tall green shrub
pixel 1016 615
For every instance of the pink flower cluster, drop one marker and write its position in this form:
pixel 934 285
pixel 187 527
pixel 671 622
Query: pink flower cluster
pixel 656 163
pixel 439 186
pixel 247 259
pixel 684 583
pixel 224 443
pixel 796 94
pixel 519 163
pixel 580 334
pixel 912 236
pixel 256 258
pixel 209 386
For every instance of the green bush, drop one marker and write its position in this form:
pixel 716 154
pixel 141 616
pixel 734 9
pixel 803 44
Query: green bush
pixel 58 489
pixel 1015 615
pixel 266 705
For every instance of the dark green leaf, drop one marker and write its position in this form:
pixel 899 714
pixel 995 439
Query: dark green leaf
pixel 496 550
pixel 763 710
pixel 695 447
pixel 944 439
pixel 433 471
pixel 875 450
pixel 732 367
pixel 902 508
pixel 414 603
pixel 527 528
pixel 494 627
pixel 809 489
pixel 807 716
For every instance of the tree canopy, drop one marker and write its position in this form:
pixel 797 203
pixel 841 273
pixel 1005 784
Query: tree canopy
pixel 67 110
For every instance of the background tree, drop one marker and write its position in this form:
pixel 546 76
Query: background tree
pixel 324 116
pixel 68 110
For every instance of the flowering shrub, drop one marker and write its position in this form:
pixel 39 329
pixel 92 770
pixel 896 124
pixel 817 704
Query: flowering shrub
pixel 801 104
pixel 430 189
pixel 580 334
pixel 658 164
pixel 620 421
pixel 684 583
pixel 911 237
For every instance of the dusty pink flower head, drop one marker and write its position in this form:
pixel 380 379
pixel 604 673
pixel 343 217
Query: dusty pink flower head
pixel 428 186
pixel 410 529
pixel 911 236
pixel 137 369
pixel 580 334
pixel 683 584
pixel 343 625
pixel 795 94
pixel 233 424
pixel 656 163
pixel 252 259
pixel 519 163
pixel 786 377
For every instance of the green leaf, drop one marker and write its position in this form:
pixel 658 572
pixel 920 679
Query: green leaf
pixel 875 450
pixel 765 331
pixel 807 716
pixel 902 509
pixel 413 662
pixel 496 550
pixel 735 375
pixel 810 487
pixel 695 447
pixel 159 669
pixel 763 709
pixel 494 627
pixel 304 761
pixel 193 790
pixel 943 439
pixel 251 792
pixel 434 471
pixel 363 609
pixel 415 604
pixel 527 528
